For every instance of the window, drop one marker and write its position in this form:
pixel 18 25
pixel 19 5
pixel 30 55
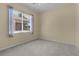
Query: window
pixel 19 22
pixel 17 19
pixel 26 22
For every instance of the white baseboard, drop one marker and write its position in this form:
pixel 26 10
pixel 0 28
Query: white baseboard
pixel 56 40
pixel 16 44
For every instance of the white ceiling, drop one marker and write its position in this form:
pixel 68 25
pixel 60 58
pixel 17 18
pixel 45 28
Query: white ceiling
pixel 42 7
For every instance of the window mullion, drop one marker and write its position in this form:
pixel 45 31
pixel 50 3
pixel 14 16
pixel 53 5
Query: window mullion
pixel 22 22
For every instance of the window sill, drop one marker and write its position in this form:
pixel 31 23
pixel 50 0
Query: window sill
pixel 22 31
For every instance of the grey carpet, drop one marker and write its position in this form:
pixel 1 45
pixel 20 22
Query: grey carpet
pixel 41 48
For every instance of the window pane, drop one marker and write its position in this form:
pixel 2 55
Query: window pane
pixel 26 25
pixel 17 13
pixel 26 22
pixel 18 26
pixel 17 16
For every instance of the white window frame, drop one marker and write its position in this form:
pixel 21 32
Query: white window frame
pixel 22 31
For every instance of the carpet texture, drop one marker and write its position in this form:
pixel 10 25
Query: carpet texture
pixel 41 48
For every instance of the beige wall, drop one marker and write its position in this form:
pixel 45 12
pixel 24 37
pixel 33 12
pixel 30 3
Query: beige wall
pixel 59 24
pixel 5 40
pixel 77 25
